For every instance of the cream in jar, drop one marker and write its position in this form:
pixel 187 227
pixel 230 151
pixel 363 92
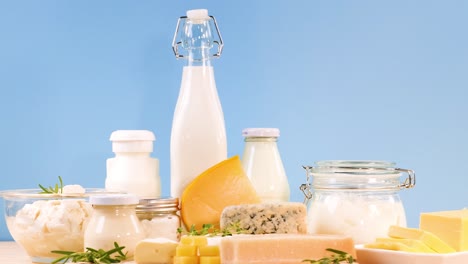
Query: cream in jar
pixel 355 198
pixel 114 220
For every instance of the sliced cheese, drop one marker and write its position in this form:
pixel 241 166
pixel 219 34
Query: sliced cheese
pixel 427 238
pixel 207 195
pixel 450 226
pixel 155 251
pixel 415 245
pixel 267 218
pixel 281 248
pixel 391 246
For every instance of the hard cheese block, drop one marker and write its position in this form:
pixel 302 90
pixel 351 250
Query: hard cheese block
pixel 155 251
pixel 450 226
pixel 427 238
pixel 266 218
pixel 281 248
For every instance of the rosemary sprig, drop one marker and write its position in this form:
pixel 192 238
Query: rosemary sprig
pixel 92 255
pixel 336 258
pixel 58 188
pixel 208 229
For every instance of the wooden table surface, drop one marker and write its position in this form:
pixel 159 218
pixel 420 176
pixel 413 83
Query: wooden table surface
pixel 12 253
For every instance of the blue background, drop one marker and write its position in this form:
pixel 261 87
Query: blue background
pixel 381 80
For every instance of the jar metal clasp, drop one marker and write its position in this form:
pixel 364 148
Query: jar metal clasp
pixel 306 188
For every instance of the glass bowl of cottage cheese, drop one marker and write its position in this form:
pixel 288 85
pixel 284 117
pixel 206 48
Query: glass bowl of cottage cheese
pixel 42 222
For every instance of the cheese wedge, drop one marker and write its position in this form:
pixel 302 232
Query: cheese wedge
pixel 281 248
pixel 450 226
pixel 427 238
pixel 208 194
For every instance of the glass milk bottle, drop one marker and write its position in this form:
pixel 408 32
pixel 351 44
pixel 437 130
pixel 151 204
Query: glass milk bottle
pixel 262 164
pixel 132 170
pixel 198 137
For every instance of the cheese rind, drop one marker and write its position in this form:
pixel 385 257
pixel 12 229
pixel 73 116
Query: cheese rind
pixel 267 218
pixel 450 226
pixel 155 251
pixel 427 238
pixel 281 248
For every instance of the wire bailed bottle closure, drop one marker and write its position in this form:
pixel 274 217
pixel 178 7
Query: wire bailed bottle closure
pixel 196 32
pixel 355 175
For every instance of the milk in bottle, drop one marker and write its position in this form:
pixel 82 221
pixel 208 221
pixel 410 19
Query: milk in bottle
pixel 198 137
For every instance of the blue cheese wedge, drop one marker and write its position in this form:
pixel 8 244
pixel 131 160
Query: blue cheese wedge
pixel 266 218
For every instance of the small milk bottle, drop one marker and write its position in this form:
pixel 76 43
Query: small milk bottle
pixel 262 164
pixel 198 138
pixel 132 170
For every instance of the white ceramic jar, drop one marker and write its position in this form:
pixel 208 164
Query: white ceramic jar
pixel 132 170
pixel 114 219
pixel 356 198
pixel 263 165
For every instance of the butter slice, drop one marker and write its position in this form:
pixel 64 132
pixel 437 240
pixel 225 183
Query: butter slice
pixel 427 238
pixel 155 251
pixel 397 246
pixel 450 226
pixel 413 244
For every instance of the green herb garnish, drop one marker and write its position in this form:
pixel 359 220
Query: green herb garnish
pixel 208 229
pixel 58 188
pixel 92 255
pixel 336 258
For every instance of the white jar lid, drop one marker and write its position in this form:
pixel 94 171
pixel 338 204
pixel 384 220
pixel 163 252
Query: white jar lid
pixel 132 141
pixel 261 132
pixel 114 199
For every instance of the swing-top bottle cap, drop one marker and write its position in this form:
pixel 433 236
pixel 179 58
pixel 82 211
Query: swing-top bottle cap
pixel 197 14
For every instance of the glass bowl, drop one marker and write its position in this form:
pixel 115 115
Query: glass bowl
pixel 41 223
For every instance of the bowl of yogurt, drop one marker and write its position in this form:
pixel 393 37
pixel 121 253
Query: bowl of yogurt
pixel 43 222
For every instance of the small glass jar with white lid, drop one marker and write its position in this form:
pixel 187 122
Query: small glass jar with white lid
pixel 356 198
pixel 114 219
pixel 263 165
pixel 159 217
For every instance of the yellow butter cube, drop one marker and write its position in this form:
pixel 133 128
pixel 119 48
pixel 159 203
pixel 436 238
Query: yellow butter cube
pixel 427 238
pixel 208 250
pixel 194 240
pixel 186 250
pixel 186 260
pixel 450 226
pixel 210 260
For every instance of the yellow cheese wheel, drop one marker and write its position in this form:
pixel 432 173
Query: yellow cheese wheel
pixel 224 184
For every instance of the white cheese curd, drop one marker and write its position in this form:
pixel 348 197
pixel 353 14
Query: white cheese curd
pixel 73 188
pixel 47 225
pixel 363 219
pixel 162 227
